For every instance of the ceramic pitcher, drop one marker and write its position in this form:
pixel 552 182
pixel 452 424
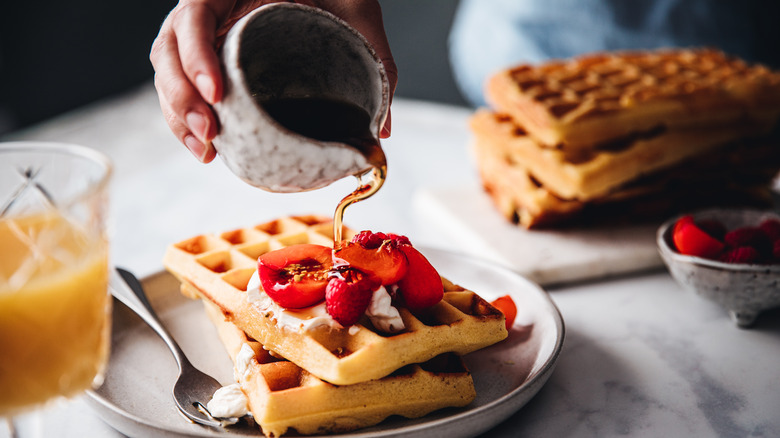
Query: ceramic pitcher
pixel 290 51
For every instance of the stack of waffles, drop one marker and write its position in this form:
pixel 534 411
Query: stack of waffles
pixel 628 134
pixel 325 379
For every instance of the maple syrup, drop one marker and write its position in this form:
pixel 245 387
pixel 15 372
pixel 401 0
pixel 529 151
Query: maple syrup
pixel 321 118
pixel 330 120
pixel 375 178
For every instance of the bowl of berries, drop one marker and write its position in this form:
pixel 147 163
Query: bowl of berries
pixel 731 257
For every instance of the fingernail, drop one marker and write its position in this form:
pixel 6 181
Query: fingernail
pixel 198 124
pixel 385 132
pixel 195 146
pixel 206 87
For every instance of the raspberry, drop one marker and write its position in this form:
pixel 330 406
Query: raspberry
pixel 398 239
pixel 749 236
pixel 370 240
pixel 347 297
pixel 742 254
pixel 771 227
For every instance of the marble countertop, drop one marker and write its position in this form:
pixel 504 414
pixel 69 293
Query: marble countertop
pixel 642 357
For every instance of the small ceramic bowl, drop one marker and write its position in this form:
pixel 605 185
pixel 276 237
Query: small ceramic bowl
pixel 745 290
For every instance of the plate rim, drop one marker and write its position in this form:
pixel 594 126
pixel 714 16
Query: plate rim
pixel 499 409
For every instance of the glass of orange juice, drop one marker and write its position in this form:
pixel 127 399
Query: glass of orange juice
pixel 54 299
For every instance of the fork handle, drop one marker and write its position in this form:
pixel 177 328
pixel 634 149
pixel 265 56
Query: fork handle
pixel 127 289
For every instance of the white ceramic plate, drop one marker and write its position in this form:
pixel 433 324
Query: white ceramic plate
pixel 136 396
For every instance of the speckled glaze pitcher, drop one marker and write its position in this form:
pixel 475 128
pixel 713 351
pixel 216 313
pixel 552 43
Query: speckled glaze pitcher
pixel 291 52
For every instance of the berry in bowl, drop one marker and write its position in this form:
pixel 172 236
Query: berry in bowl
pixel 731 257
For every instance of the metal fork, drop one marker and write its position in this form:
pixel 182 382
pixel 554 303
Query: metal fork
pixel 193 388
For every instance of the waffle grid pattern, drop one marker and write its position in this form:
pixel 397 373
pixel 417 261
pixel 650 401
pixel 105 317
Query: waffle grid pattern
pixel 282 396
pixel 585 101
pixel 219 266
pixel 632 135
pixel 739 175
pixel 594 174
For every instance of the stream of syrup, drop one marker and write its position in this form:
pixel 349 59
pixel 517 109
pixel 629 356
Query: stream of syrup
pixel 335 121
pixel 368 184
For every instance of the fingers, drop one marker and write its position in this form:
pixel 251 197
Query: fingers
pixel 184 109
pixel 203 151
pixel 195 28
pixel 385 132
pixel 187 75
pixel 392 78
pixel 187 70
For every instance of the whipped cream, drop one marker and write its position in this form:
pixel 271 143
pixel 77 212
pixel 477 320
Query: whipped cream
pixel 293 319
pixel 380 311
pixel 244 357
pixel 382 314
pixel 228 402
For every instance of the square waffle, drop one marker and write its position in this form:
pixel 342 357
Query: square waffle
pixel 739 174
pixel 283 396
pixel 592 174
pixel 219 267
pixel 589 100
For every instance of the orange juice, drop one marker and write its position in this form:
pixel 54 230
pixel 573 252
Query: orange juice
pixel 54 306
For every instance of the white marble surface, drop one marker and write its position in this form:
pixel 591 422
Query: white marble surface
pixel 548 257
pixel 641 357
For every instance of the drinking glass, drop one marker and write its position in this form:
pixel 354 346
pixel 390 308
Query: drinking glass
pixel 54 299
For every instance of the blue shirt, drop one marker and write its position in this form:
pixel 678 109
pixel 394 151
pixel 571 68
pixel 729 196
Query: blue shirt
pixel 488 35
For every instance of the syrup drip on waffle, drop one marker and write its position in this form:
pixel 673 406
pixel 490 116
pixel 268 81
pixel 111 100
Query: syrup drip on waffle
pixel 329 120
pixel 368 183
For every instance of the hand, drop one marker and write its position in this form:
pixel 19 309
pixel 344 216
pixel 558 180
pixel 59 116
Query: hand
pixel 188 78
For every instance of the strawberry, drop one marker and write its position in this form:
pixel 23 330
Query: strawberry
pixel 391 259
pixel 742 254
pixel 348 295
pixel 421 286
pixel 376 254
pixel 295 276
pixel 749 236
pixel 368 239
pixel 771 227
pixel 507 306
pixel 687 219
pixel 692 240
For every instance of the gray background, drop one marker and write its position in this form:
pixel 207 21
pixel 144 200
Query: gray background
pixel 418 31
pixel 56 56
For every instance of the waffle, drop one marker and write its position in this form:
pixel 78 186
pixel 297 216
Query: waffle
pixel 283 396
pixel 219 267
pixel 593 99
pixel 739 174
pixel 594 173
